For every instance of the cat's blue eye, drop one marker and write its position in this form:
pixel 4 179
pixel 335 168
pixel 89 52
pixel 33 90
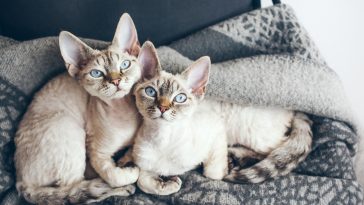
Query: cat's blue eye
pixel 150 91
pixel 180 98
pixel 125 64
pixel 96 73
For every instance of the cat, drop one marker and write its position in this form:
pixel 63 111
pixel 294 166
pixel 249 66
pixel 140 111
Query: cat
pixel 164 146
pixel 112 118
pixel 50 156
pixel 180 130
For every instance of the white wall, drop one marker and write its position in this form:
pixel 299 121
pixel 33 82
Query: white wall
pixel 337 27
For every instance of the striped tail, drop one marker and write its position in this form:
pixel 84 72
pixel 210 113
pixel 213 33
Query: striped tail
pixel 80 192
pixel 283 159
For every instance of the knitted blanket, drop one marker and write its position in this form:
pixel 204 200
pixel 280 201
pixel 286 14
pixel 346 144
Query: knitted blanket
pixel 263 57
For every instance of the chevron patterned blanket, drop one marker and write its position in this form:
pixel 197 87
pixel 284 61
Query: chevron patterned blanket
pixel 263 57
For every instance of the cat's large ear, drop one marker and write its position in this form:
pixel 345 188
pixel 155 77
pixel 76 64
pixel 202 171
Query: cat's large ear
pixel 126 37
pixel 148 60
pixel 74 52
pixel 197 75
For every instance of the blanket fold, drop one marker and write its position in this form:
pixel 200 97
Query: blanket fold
pixel 262 58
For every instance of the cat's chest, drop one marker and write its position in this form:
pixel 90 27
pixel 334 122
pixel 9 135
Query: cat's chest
pixel 167 157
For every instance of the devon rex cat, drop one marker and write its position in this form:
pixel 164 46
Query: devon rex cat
pixel 180 130
pixel 50 153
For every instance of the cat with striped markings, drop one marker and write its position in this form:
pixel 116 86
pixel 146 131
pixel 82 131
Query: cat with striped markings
pixel 112 118
pixel 50 156
pixel 180 130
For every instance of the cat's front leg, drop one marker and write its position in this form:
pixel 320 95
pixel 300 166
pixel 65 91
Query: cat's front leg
pixel 151 183
pixel 216 165
pixel 113 175
pixel 103 141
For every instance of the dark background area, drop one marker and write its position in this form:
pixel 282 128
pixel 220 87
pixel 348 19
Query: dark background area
pixel 160 21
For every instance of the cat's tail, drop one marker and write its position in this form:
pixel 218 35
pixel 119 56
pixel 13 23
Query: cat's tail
pixel 81 192
pixel 283 159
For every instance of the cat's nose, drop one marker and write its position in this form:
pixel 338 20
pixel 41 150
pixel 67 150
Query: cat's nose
pixel 163 108
pixel 164 104
pixel 115 82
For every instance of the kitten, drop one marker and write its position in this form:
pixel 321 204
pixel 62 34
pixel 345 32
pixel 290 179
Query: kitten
pixel 112 118
pixel 50 156
pixel 180 130
pixel 175 136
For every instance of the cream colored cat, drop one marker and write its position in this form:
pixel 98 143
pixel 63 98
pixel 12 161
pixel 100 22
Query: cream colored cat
pixel 167 143
pixel 181 131
pixel 112 118
pixel 50 155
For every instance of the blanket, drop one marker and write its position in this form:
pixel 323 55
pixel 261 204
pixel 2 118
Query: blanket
pixel 263 58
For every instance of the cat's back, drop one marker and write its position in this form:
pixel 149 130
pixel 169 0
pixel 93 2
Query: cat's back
pixel 206 118
pixel 53 124
pixel 60 96
pixel 258 127
pixel 62 93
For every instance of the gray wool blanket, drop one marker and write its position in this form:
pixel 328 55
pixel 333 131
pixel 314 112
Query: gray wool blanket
pixel 264 58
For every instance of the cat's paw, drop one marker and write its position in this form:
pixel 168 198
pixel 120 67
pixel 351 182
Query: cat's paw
pixel 160 185
pixel 120 177
pixel 169 185
pixel 131 174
